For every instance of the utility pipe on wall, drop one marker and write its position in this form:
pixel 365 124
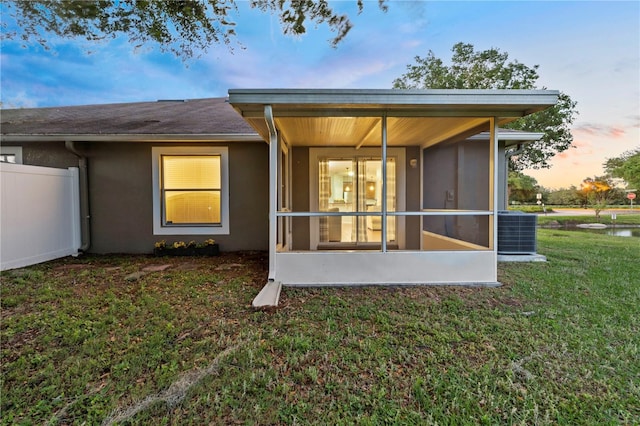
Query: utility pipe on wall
pixel 274 146
pixel 85 216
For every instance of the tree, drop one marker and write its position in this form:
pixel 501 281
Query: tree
pixel 626 167
pixel 490 69
pixel 187 28
pixel 522 188
pixel 565 197
pixel 598 191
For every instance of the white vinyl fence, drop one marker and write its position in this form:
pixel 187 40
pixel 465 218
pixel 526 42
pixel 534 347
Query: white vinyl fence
pixel 39 214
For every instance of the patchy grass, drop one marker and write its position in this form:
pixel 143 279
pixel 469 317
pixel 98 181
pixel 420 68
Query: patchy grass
pixel 557 343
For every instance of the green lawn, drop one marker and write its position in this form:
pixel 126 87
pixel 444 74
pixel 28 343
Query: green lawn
pixel 558 343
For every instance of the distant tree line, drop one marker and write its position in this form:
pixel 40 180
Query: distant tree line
pixel 593 191
pixel 622 176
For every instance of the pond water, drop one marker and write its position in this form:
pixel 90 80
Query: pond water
pixel 617 231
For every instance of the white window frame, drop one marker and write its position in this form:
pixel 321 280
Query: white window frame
pixel 16 151
pixel 218 229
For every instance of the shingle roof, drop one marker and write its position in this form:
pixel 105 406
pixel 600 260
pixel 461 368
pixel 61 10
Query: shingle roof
pixel 198 116
pixel 210 116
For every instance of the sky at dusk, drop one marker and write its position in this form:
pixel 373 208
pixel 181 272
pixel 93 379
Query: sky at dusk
pixel 589 50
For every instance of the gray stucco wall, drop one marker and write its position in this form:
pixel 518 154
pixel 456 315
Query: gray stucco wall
pixel 46 154
pixel 300 197
pixel 121 200
pixel 412 223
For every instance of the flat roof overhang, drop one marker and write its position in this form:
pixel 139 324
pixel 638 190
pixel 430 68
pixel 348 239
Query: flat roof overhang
pixel 511 137
pixel 352 117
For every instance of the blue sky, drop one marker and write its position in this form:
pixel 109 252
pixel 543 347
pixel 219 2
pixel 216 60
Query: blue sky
pixel 589 50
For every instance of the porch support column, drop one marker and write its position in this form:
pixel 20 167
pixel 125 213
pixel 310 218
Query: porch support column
pixel 493 180
pixel 383 220
pixel 273 189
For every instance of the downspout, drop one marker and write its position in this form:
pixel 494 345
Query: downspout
pixel 85 217
pixel 273 189
pixel 507 155
pixel 519 149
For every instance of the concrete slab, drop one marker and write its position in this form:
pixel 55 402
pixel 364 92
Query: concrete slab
pixel 521 258
pixel 268 296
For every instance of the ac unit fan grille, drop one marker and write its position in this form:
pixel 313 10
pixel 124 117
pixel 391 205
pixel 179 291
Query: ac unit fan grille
pixel 516 233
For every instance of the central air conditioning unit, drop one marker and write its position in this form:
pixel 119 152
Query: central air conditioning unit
pixel 516 232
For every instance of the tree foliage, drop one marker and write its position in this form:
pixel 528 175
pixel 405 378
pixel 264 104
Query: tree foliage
pixel 187 28
pixel 566 197
pixel 626 167
pixel 522 188
pixel 598 191
pixel 491 69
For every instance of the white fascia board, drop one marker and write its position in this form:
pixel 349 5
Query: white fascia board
pixel 517 136
pixel 212 137
pixel 319 98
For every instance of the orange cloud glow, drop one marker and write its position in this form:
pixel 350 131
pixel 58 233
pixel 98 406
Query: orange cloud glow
pixel 593 129
pixel 579 147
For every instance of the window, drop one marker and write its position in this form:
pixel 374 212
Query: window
pixel 11 154
pixel 190 190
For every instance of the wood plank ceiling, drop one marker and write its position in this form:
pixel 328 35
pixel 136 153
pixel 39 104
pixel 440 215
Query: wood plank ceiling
pixel 367 131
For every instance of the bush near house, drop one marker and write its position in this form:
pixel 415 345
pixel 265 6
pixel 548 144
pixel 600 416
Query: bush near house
pixel 105 340
pixel 530 208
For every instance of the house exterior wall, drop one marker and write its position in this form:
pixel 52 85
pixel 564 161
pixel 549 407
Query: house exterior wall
pixel 412 223
pixel 46 154
pixel 300 200
pixel 121 201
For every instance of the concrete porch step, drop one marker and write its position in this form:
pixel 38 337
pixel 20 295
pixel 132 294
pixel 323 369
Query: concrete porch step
pixel 268 296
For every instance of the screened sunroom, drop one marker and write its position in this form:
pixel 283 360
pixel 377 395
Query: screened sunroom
pixel 383 187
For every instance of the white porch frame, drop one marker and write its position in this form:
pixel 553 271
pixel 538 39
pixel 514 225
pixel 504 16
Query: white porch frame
pixel 478 266
pixel 384 267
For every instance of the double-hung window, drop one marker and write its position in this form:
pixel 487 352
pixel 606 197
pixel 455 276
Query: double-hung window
pixel 190 190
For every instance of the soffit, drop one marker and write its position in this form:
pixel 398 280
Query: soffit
pixel 367 131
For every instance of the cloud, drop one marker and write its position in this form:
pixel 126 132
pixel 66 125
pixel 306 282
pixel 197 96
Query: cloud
pixel 348 69
pixel 635 121
pixel 19 100
pixel 594 129
pixel 580 147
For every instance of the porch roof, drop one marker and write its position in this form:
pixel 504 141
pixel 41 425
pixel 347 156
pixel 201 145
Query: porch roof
pixel 352 117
